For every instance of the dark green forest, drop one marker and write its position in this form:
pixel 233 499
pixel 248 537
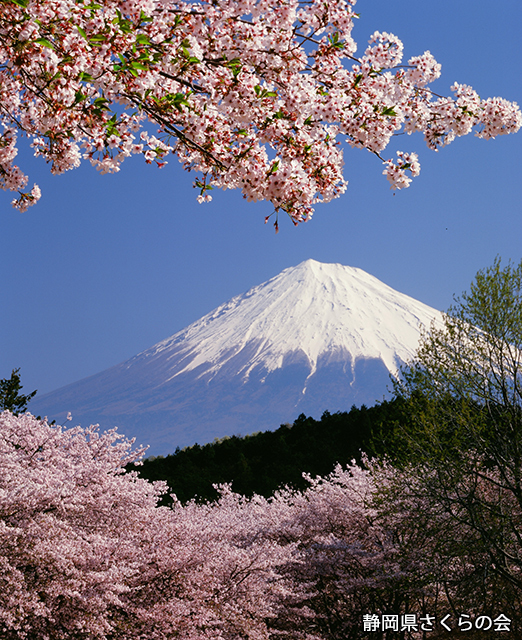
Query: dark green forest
pixel 262 462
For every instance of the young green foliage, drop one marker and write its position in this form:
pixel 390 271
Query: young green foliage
pixel 464 441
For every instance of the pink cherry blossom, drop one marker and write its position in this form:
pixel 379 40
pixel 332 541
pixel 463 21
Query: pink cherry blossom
pixel 243 103
pixel 87 551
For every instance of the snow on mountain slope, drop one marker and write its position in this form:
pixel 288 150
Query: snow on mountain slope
pixel 315 337
pixel 314 308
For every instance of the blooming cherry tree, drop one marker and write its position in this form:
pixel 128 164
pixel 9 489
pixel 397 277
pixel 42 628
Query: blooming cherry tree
pixel 250 94
pixel 86 553
pixel 353 563
pixel 69 521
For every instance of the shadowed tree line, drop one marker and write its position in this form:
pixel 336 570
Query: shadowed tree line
pixel 263 462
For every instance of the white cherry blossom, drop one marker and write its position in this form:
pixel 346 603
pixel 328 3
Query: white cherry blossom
pixel 229 86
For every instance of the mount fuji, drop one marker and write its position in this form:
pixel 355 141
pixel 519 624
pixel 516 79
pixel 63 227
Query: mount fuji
pixel 315 337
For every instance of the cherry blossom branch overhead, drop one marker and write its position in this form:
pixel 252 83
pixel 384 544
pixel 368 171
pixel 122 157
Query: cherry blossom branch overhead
pixel 250 94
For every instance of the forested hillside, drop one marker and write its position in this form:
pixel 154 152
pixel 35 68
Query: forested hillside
pixel 262 462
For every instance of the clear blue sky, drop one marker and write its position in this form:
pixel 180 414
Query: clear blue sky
pixel 105 266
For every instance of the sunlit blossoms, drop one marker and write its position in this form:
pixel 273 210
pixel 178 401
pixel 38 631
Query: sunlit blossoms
pixel 250 94
pixel 88 553
pixel 400 173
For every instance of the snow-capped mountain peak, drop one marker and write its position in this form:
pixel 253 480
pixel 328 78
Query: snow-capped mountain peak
pixel 311 309
pixel 315 337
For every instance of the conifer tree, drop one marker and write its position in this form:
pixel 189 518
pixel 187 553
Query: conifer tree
pixel 10 397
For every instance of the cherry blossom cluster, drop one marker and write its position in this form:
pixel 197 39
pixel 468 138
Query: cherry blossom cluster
pixel 87 552
pixel 250 94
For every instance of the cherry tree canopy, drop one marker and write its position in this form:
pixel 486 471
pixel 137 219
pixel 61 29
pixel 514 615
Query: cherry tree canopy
pixel 252 94
pixel 87 553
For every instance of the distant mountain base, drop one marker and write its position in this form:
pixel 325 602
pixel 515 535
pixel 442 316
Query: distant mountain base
pixel 190 410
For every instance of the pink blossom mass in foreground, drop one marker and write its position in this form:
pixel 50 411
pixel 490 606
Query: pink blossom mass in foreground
pixel 87 552
pixel 251 94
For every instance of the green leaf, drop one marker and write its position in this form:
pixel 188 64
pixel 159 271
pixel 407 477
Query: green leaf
pixel 111 126
pixel 335 41
pixel 21 3
pixel 145 18
pixel 235 65
pixel 389 111
pixel 82 32
pixel 176 100
pixel 100 104
pixel 274 168
pixel 264 93
pixel 138 65
pixel 45 43
pixel 79 97
pixel 124 24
